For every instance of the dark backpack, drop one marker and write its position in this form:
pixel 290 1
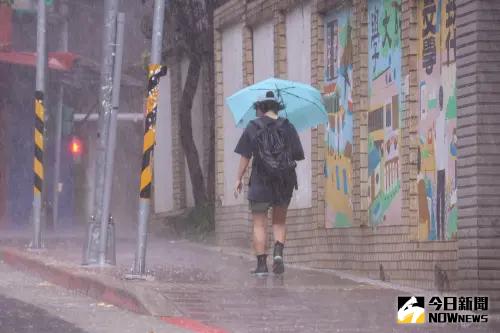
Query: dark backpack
pixel 274 157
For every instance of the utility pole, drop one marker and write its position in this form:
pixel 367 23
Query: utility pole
pixel 41 68
pixel 108 41
pixel 110 152
pixel 59 119
pixel 155 71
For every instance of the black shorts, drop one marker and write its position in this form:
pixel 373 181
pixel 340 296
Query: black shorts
pixel 263 206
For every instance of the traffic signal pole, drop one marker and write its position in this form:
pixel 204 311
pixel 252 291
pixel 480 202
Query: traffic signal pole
pixel 111 8
pixel 155 71
pixel 41 68
pixel 110 151
pixel 59 121
pixel 109 32
pixel 110 12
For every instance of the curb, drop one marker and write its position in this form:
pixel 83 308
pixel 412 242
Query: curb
pixel 100 290
pixel 84 284
pixel 192 325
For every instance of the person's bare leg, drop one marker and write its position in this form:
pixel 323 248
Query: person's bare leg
pixel 279 231
pixel 259 233
pixel 279 226
pixel 259 242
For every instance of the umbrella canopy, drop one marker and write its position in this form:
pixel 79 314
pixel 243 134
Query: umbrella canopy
pixel 303 105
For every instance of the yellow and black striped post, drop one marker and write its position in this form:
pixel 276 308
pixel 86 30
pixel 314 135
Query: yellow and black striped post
pixel 39 131
pixel 38 166
pixel 154 74
pixel 40 83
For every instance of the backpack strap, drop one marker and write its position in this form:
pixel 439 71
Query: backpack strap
pixel 281 121
pixel 260 123
pixel 258 126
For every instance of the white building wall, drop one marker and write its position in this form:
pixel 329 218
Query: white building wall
pixel 263 51
pixel 232 77
pixel 163 170
pixel 298 32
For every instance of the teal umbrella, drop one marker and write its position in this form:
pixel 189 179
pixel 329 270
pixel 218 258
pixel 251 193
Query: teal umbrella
pixel 303 104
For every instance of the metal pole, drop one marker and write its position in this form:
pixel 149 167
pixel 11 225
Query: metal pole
pixel 57 162
pixel 111 138
pixel 111 7
pixel 108 41
pixel 157 37
pixel 125 116
pixel 41 63
pixel 59 119
pixel 155 72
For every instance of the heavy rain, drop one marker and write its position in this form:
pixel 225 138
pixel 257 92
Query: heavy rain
pixel 248 166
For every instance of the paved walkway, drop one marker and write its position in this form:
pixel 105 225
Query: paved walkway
pixel 30 305
pixel 213 286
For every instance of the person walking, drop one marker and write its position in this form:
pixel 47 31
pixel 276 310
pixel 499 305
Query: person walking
pixel 441 144
pixel 274 145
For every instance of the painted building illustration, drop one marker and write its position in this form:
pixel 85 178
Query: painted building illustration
pixel 384 91
pixel 398 185
pixel 338 134
pixel 437 120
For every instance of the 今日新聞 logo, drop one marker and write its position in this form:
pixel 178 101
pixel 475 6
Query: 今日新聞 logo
pixel 411 310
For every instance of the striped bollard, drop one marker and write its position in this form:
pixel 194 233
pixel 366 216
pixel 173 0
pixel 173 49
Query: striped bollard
pixel 155 73
pixel 38 169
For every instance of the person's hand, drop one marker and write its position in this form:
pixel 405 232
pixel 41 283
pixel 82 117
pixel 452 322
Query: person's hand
pixel 237 188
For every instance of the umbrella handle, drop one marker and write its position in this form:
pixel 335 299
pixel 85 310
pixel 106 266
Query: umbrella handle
pixel 280 100
pixel 281 104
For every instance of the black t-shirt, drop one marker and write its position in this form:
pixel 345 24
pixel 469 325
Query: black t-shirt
pixel 258 190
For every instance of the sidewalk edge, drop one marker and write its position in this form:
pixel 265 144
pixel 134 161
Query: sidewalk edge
pixel 81 283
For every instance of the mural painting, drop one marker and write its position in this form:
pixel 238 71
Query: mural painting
pixel 337 91
pixel 384 116
pixel 436 184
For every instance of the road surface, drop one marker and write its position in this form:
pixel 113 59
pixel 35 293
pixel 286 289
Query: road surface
pixel 31 305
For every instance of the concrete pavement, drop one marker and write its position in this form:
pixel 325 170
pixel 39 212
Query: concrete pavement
pixel 17 316
pixel 209 289
pixel 31 305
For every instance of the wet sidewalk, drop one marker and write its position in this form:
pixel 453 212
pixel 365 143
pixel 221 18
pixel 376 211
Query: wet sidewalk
pixel 212 286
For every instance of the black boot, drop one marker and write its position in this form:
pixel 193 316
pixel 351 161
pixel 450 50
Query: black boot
pixel 278 266
pixel 261 265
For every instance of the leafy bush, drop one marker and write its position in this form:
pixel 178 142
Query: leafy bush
pixel 7 2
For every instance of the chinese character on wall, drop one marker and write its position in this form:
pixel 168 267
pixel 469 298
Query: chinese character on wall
pixel 331 50
pixel 429 36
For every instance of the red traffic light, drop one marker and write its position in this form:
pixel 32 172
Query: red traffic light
pixel 76 146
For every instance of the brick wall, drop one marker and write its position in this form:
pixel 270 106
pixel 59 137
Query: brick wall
pixel 409 214
pixel 3 152
pixel 394 252
pixel 179 170
pixel 232 223
pixel 360 105
pixel 317 142
pixel 478 98
pixel 279 43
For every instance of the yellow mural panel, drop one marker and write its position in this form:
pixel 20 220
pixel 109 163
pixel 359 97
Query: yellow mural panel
pixel 337 91
pixel 437 120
